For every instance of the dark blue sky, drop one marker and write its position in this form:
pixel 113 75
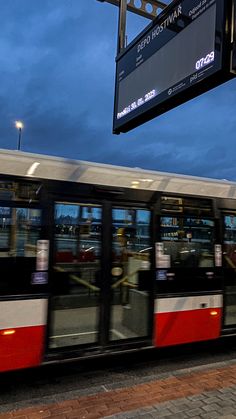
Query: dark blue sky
pixel 57 67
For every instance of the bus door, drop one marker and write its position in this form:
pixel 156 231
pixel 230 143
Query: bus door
pixel 131 278
pixel 76 275
pixel 229 263
pixel 90 307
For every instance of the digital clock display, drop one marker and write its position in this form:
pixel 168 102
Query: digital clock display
pixel 202 62
pixel 166 65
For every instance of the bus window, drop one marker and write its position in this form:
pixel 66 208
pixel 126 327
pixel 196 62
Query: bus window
pixel 188 241
pixel 19 231
pixel 229 260
pixel 230 240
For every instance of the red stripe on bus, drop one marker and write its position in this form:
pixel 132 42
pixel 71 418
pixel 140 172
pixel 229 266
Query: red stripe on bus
pixel 187 326
pixel 21 347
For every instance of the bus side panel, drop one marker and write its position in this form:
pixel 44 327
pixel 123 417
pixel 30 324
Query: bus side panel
pixel 22 333
pixel 187 319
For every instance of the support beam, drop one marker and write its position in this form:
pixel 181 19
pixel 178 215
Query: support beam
pixel 121 42
pixel 143 10
pixel 233 39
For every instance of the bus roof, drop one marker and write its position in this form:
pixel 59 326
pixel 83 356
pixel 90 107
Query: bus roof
pixel 38 166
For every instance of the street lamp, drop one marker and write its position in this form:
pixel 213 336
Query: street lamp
pixel 19 125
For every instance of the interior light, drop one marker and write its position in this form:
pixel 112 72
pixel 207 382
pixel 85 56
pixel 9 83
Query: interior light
pixel 88 250
pixel 145 250
pixel 135 183
pixel 32 168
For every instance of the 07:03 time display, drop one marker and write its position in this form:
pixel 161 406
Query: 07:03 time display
pixel 202 62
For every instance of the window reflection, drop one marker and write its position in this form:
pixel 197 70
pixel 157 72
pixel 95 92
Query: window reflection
pixel 229 253
pixel 77 233
pixel 188 241
pixel 130 280
pixel 19 231
pixel 77 272
pixel 230 240
pixel 130 232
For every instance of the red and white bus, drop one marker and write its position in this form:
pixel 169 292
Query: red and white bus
pixel 96 259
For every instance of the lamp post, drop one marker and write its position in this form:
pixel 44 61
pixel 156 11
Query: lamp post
pixel 19 125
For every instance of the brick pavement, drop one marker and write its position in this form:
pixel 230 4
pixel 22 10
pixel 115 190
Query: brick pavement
pixel 200 392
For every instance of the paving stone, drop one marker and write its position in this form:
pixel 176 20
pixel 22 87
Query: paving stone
pixel 229 402
pixel 179 408
pixel 227 390
pixel 211 407
pixel 194 412
pixel 197 404
pixel 225 397
pixel 211 400
pixel 210 415
pixel 165 405
pixel 180 415
pixel 227 410
pixel 196 397
pixel 161 415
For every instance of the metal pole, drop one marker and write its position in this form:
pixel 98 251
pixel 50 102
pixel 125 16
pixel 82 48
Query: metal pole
pixel 122 26
pixel 233 39
pixel 19 139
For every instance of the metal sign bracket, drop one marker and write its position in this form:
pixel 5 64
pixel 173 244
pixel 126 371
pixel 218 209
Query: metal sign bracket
pixel 147 8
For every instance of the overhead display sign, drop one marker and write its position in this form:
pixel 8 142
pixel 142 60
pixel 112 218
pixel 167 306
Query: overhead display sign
pixel 177 57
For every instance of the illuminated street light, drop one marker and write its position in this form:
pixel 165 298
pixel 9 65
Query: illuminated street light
pixel 19 125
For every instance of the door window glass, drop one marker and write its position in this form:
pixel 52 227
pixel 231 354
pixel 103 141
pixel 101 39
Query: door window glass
pixel 77 233
pixel 131 275
pixel 76 276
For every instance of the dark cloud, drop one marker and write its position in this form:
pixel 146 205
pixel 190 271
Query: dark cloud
pixel 57 67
